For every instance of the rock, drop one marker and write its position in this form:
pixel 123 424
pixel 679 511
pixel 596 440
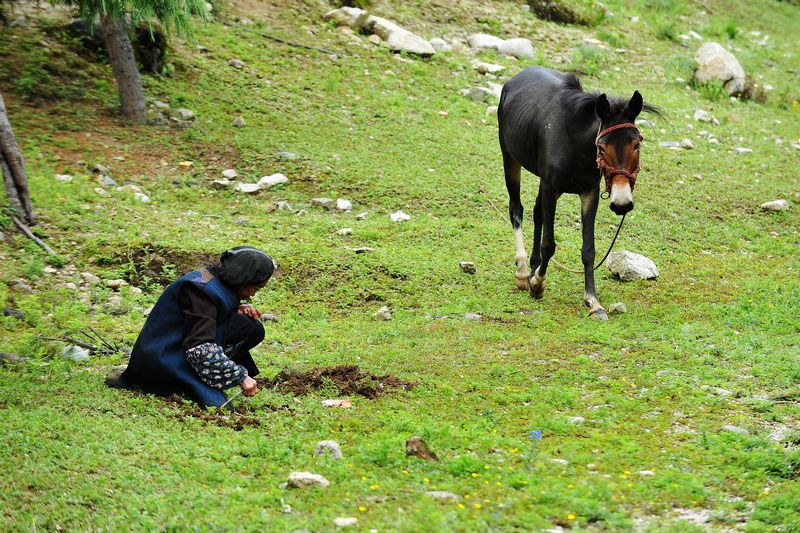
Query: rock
pixel 480 94
pixel 108 181
pixel 283 206
pixel 116 283
pixel 475 317
pixel 267 317
pixel 442 495
pixel 576 419
pixel 11 359
pixel 399 39
pixel 491 110
pixel 716 63
pixel 487 68
pixel 267 182
pixel 617 308
pixel 248 188
pixel 440 45
pixel 147 311
pixel 236 63
pixel 50 270
pixel 291 156
pixel 112 376
pixel 374 39
pixel 629 266
pixel 136 291
pixel 327 203
pixel 717 390
pixel 71 286
pixel 328 447
pixel 63 177
pixel 90 278
pixel 301 480
pixel 242 222
pixel 687 144
pixel 141 197
pixel 352 17
pixel 558 461
pixel 481 41
pixel 701 115
pixel 239 122
pixel 158 104
pixel 417 447
pixel 344 231
pixel 10 311
pixel 230 174
pixel 775 205
pixel 468 267
pixel 519 48
pixel 221 184
pixel 345 521
pixel 741 150
pixel 100 169
pixel 646 473
pixel 668 144
pixel 20 286
pixel 19 21
pixel 735 429
pixel 344 404
pixel 362 216
pixel 363 250
pixel 644 123
pixel 343 205
pixel 399 216
pixel 185 114
pixel 384 313
pixel 75 353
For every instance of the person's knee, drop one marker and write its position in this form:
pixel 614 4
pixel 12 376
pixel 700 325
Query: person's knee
pixel 255 334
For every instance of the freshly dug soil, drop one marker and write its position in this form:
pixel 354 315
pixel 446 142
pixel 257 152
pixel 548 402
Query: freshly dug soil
pixel 348 379
pixel 242 415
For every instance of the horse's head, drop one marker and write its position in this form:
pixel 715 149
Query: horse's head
pixel 618 141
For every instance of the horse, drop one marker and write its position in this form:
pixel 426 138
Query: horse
pixel 563 135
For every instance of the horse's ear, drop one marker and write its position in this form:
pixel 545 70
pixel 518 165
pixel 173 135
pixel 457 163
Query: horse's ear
pixel 602 107
pixel 634 106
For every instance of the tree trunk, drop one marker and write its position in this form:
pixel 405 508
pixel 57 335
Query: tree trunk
pixel 12 167
pixel 123 62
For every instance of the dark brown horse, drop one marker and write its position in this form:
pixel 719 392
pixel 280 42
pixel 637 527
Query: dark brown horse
pixel 569 138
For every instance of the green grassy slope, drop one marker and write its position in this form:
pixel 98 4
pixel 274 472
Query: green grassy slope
pixel 369 127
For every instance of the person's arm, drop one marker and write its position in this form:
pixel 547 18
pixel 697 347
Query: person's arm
pixel 202 353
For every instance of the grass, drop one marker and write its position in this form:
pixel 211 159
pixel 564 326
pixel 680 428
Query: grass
pixel 723 314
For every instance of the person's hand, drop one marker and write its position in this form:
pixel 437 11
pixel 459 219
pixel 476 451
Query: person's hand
pixel 250 311
pixel 249 386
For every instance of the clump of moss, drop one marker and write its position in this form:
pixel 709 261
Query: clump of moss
pixel 581 12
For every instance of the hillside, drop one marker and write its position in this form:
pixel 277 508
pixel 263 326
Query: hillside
pixel 632 412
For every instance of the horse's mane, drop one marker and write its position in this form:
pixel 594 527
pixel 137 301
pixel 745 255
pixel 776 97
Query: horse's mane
pixel 583 103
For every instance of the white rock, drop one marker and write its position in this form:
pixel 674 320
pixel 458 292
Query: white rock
pixel 496 88
pixel 362 216
pixel 629 266
pixel 185 114
pixel 576 419
pixel 221 184
pixel 141 197
pixel 442 495
pixel 345 521
pixel 71 286
pixel 236 63
pixel 617 308
pixel 491 110
pixel 694 35
pixel 239 122
pixel 63 177
pixel 343 205
pixel 116 283
pixel 300 480
pixel 687 143
pixel 363 250
pixel 440 45
pixel 101 169
pixel 230 173
pixel 519 48
pixel 480 94
pixel 742 150
pixel 557 461
pixel 399 216
pixel 775 205
pixel 352 17
pixel 328 447
pixel 90 278
pixel 487 68
pixel 735 429
pixel 147 311
pixel 716 63
pixel 248 188
pixel 475 317
pixel 646 473
pixel 291 156
pixel 702 115
pixel 384 313
pixel 399 39
pixel 270 181
pixel 327 203
pixel 75 353
pixel 345 231
pixel 482 40
pixel 136 291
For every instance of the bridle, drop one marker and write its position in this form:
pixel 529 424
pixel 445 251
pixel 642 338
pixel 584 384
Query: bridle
pixel 606 170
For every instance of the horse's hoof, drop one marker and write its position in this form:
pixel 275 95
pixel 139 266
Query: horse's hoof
pixel 536 289
pixel 523 283
pixel 599 314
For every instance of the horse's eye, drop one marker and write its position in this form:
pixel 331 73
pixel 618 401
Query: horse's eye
pixel 636 147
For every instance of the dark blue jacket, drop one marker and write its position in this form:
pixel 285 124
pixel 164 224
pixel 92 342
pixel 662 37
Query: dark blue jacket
pixel 158 361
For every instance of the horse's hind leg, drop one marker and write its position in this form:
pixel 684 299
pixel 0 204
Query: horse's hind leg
pixel 544 244
pixel 512 168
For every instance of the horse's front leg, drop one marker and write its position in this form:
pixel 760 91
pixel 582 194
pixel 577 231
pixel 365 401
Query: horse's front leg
pixel 544 245
pixel 589 202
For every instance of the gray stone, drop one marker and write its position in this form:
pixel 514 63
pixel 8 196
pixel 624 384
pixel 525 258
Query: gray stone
pixel 113 374
pixel 668 144
pixel 558 461
pixel 775 205
pixel 519 48
pixel 362 216
pixel 248 188
pixel 468 267
pixel 617 308
pixel 474 317
pixel 399 39
pixel 71 286
pixel 11 359
pixel 345 521
pixel 301 480
pixel 646 473
pixel 230 174
pixel 735 429
pixel 480 94
pixel 487 68
pixel 239 122
pixel 90 278
pixel 242 222
pixel 20 286
pixel 63 177
pixel 327 203
pixel 267 182
pixel 108 181
pixel 384 313
pixel 221 184
pixel 343 204
pixel 328 447
pixel 101 169
pixel 716 63
pixel 284 206
pixel 644 123
pixel 742 150
pixel 10 311
pixel 267 317
pixel 442 495
pixel 236 63
pixel 287 155
pixel 440 45
pixel 75 353
pixel 629 266
pixel 141 197
pixel 351 17
pixel 185 114
pixel 576 419
pixel 481 41
pixel 160 105
pixel 19 21
pixel 399 216
pixel 344 231
pixel 116 283
pixel 687 144
pixel 701 115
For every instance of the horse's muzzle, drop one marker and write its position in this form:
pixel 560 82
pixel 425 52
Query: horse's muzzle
pixel 621 209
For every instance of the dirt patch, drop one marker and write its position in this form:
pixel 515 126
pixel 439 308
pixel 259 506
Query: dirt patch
pixel 240 417
pixel 149 264
pixel 348 380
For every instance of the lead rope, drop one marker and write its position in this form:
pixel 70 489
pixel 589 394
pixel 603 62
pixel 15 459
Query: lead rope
pixel 614 240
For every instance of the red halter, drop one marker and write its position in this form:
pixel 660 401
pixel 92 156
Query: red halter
pixel 606 170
